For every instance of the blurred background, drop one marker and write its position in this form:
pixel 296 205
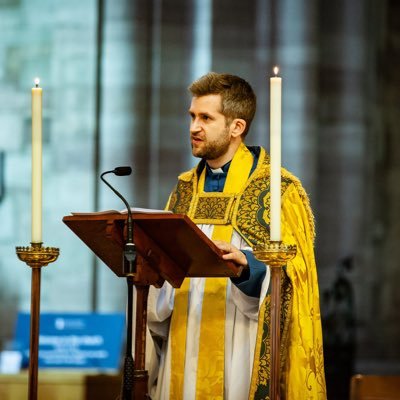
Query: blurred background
pixel 114 76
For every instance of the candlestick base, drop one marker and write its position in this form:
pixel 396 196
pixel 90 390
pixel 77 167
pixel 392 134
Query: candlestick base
pixel 275 253
pixel 36 255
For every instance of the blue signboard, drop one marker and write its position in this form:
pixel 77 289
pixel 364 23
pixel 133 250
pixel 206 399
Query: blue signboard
pixel 79 340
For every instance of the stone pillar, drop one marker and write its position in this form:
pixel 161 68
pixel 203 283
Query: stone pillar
pixel 341 160
pixel 297 55
pixel 125 125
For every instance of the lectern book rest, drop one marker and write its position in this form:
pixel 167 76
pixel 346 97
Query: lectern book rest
pixel 169 246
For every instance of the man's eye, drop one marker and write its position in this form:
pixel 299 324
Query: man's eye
pixel 206 117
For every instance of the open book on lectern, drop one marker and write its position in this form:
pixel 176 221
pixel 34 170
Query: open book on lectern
pixel 124 211
pixel 169 246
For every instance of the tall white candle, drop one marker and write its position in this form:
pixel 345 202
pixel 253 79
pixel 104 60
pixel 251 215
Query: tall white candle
pixel 275 153
pixel 36 163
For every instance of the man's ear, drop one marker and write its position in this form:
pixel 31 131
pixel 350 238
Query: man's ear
pixel 238 126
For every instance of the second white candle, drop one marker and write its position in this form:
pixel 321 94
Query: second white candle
pixel 275 153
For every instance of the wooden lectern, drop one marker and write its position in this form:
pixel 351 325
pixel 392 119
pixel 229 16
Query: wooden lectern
pixel 169 247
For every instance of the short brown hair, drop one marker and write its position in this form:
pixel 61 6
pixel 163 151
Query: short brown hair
pixel 237 96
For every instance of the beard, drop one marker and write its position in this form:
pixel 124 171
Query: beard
pixel 211 150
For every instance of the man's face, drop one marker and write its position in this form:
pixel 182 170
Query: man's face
pixel 210 136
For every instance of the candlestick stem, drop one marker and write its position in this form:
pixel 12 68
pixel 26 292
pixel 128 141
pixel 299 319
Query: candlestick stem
pixel 275 254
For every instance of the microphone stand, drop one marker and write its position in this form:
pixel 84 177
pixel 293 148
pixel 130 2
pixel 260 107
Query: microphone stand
pixel 129 269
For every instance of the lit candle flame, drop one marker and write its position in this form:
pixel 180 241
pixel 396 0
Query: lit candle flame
pixel 37 81
pixel 276 70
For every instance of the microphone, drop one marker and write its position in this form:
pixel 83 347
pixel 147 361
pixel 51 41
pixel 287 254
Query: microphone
pixel 129 248
pixel 122 171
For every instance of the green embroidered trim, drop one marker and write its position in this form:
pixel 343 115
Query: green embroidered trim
pixel 251 218
pixel 181 197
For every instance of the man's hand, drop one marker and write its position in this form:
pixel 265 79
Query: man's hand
pixel 231 253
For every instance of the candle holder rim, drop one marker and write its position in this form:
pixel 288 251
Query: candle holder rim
pixel 37 256
pixel 275 246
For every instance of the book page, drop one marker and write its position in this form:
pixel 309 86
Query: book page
pixel 124 211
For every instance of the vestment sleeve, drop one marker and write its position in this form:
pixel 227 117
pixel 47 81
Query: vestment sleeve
pixel 251 280
pixel 159 309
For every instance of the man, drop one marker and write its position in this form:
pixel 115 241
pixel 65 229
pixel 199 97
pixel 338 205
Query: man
pixel 212 334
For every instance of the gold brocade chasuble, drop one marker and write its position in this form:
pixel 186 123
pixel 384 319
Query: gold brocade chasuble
pixel 301 335
pixel 211 358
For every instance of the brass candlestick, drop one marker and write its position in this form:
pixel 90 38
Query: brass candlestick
pixel 275 254
pixel 36 257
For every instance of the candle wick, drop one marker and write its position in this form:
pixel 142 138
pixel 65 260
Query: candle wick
pixel 36 85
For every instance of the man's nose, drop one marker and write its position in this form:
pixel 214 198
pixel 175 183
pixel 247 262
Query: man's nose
pixel 194 125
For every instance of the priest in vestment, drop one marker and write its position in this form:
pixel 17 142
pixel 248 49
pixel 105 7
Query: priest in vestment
pixel 211 336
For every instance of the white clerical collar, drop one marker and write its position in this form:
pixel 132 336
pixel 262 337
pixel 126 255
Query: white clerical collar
pixel 221 170
pixel 217 170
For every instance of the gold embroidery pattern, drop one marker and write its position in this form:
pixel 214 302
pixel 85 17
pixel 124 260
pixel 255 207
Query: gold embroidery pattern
pixel 319 368
pixel 181 197
pixel 304 197
pixel 212 208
